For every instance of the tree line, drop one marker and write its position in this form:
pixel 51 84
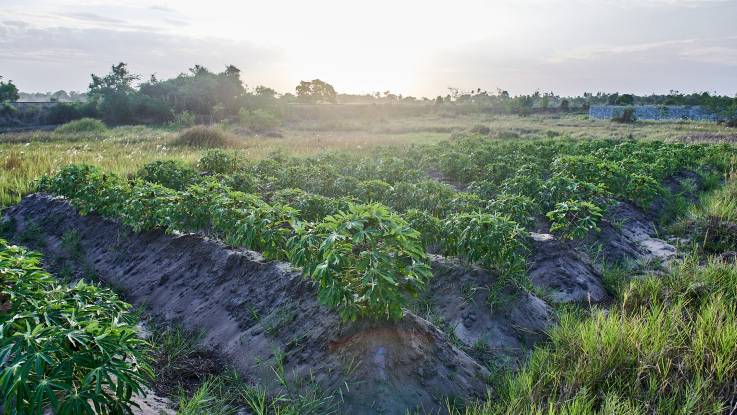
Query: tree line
pixel 201 95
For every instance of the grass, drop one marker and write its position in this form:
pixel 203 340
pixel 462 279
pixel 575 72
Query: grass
pixel 84 125
pixel 205 137
pixel 668 347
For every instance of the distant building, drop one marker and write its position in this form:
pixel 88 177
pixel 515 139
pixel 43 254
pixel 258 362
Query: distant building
pixel 654 112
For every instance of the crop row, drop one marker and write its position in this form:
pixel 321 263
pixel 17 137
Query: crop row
pixel 366 259
pixel 527 181
pixel 71 350
pixel 352 223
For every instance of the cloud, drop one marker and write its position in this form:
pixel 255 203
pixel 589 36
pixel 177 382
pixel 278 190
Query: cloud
pixel 29 55
pixel 93 17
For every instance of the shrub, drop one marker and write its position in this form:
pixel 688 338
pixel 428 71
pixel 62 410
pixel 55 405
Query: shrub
pixel 219 162
pixel 574 219
pixel 66 350
pixel 366 261
pixel 174 174
pixel 259 120
pixel 83 125
pixel 205 137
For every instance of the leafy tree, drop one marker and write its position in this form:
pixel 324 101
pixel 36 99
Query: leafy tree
pixel 316 91
pixel 265 92
pixel 8 91
pixel 113 93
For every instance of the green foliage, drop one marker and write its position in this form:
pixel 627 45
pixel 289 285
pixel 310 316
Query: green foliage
pixel 84 125
pixel 574 219
pixel 219 162
pixel 492 240
pixel 89 187
pixel 8 91
pixel 149 206
pixel 311 207
pixel 366 261
pixel 258 120
pixel 184 119
pixel 519 208
pixel 173 174
pixel 673 332
pixel 72 350
pixel 315 91
pixel 429 226
pixel 561 188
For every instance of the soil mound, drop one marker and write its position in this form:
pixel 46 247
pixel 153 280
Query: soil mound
pixel 263 318
pixel 565 273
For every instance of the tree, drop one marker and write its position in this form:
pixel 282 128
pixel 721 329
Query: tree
pixel 8 91
pixel 625 99
pixel 265 92
pixel 316 91
pixel 119 80
pixel 112 94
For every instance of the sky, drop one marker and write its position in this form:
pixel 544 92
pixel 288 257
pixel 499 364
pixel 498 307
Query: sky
pixel 418 48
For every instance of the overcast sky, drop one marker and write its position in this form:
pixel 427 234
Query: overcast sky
pixel 415 48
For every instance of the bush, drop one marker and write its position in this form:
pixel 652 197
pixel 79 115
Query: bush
pixel 84 125
pixel 259 120
pixel 174 174
pixel 65 350
pixel 219 162
pixel 205 137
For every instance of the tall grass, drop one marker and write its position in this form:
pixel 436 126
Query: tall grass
pixel 84 125
pixel 669 348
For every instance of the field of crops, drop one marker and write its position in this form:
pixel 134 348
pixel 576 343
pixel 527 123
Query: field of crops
pixel 365 227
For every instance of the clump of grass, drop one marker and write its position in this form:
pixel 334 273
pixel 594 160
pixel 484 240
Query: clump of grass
pixel 83 125
pixel 205 137
pixel 668 348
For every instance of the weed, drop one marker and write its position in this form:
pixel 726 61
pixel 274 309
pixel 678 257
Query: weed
pixel 71 243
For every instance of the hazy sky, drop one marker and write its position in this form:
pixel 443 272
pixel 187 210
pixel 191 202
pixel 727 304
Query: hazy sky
pixel 409 47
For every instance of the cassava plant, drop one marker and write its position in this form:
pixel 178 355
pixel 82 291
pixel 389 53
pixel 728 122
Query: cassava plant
pixel 574 219
pixel 64 350
pixel 367 261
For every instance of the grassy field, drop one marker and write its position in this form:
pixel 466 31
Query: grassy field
pixel 26 156
pixel 665 344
